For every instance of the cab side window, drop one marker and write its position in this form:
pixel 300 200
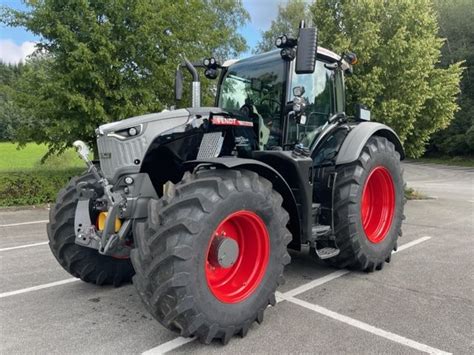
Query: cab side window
pixel 319 93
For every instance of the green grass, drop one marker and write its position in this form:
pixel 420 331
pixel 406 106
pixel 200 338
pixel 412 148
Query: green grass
pixel 29 158
pixel 466 161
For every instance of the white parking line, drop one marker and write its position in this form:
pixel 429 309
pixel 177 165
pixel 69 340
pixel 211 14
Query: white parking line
pixel 411 244
pixel 39 287
pixel 168 346
pixel 179 341
pixel 23 223
pixel 366 327
pixel 24 246
pixel 315 283
pixel 336 274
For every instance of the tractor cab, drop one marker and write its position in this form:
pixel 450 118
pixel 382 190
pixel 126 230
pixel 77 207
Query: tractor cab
pixel 262 89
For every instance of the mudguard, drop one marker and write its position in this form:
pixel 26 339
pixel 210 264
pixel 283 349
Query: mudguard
pixel 359 135
pixel 279 184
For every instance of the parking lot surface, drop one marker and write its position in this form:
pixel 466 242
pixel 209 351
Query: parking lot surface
pixel 422 302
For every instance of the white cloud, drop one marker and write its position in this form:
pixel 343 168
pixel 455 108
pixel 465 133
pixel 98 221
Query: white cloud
pixel 12 53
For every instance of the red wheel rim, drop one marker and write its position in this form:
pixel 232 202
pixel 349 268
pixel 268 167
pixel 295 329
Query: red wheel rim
pixel 378 204
pixel 237 282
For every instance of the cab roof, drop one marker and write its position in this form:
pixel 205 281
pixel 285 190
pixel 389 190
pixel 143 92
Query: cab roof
pixel 322 53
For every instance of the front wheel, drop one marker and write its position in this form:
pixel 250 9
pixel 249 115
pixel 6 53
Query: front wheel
pixel 80 261
pixel 368 207
pixel 210 257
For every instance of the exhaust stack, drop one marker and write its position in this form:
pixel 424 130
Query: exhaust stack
pixel 196 85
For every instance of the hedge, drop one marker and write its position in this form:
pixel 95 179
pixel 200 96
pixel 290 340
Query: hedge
pixel 33 187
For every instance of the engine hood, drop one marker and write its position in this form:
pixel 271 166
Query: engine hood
pixel 181 116
pixel 119 152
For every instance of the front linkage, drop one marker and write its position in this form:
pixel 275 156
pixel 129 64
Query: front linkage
pixel 106 234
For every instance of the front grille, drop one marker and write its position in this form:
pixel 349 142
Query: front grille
pixel 115 154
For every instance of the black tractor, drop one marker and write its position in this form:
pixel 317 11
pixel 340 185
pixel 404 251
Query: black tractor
pixel 198 206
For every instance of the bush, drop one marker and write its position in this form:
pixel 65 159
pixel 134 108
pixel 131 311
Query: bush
pixel 33 187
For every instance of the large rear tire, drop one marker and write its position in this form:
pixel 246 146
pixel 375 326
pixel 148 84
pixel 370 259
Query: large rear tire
pixel 82 262
pixel 211 254
pixel 368 207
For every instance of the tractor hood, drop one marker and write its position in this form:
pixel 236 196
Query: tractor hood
pixel 179 117
pixel 123 144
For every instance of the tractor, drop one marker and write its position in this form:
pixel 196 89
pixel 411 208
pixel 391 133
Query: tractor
pixel 199 206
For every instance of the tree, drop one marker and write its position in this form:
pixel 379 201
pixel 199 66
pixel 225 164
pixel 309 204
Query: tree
pixel 10 114
pixel 102 61
pixel 398 75
pixel 456 24
pixel 287 22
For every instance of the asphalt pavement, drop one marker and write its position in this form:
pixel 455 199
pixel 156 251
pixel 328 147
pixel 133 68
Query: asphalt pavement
pixel 422 302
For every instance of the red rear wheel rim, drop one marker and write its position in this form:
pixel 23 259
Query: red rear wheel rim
pixel 236 283
pixel 378 204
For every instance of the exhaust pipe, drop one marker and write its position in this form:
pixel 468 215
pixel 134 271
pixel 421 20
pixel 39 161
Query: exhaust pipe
pixel 196 88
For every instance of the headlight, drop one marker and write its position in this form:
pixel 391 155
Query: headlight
pixel 126 132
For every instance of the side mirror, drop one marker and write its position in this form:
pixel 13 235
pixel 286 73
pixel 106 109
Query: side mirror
pixel 306 51
pixel 362 113
pixel 178 85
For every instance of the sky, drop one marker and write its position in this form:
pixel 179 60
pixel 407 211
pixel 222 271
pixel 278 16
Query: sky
pixel 17 43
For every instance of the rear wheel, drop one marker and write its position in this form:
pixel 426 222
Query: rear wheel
pixel 79 261
pixel 368 206
pixel 210 256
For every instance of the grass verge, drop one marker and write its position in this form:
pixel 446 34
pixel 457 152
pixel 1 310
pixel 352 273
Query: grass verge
pixel 25 180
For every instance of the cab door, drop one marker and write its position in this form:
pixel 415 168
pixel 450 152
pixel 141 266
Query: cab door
pixel 321 104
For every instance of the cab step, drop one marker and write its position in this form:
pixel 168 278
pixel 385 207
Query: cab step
pixel 324 241
pixel 327 252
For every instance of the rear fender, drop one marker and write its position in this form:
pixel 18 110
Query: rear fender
pixel 358 137
pixel 279 184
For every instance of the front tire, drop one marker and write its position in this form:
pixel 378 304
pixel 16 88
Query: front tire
pixel 368 207
pixel 210 257
pixel 82 262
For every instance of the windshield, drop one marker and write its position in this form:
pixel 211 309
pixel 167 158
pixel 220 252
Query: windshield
pixel 254 88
